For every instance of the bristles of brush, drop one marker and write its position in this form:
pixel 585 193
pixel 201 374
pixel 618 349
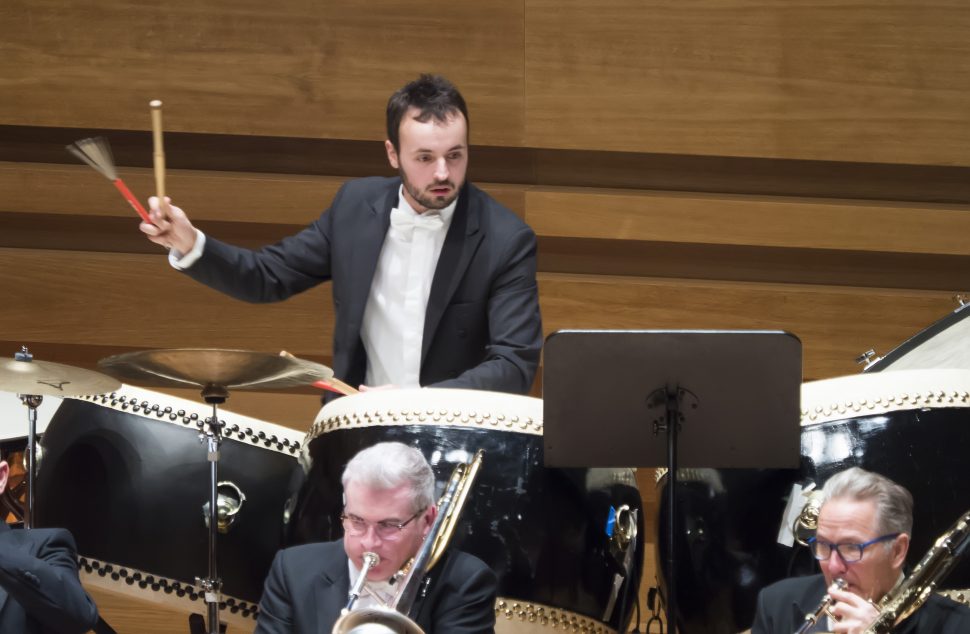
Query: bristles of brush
pixel 97 153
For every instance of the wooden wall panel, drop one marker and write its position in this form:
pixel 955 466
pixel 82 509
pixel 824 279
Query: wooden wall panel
pixel 834 324
pixel 304 68
pixel 785 222
pixel 873 81
pixel 139 301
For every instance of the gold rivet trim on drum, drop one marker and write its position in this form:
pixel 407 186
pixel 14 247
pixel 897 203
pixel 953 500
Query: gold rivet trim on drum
pixel 536 614
pixel 959 595
pixel 883 392
pixel 879 404
pixel 149 582
pixel 475 418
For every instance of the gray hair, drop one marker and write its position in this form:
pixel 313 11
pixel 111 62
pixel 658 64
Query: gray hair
pixel 388 465
pixel 894 504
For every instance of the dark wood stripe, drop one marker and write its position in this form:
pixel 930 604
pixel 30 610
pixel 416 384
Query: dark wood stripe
pixel 582 168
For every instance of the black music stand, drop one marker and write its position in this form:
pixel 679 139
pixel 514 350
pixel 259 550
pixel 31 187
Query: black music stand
pixel 735 396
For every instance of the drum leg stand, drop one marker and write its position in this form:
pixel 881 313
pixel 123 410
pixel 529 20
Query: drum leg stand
pixel 212 436
pixel 32 401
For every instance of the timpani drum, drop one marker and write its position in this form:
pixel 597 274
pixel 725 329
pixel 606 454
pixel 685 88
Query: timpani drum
pixel 542 530
pixel 127 474
pixel 912 426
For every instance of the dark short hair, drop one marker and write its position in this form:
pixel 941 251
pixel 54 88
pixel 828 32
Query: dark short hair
pixel 433 95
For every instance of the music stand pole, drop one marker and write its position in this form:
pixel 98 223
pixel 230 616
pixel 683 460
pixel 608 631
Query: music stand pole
pixel 671 425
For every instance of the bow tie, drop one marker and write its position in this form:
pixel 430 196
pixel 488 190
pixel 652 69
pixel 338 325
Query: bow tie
pixel 406 221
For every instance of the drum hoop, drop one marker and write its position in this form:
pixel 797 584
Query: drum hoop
pixel 185 413
pixel 883 392
pixel 127 581
pixel 511 412
pixel 541 616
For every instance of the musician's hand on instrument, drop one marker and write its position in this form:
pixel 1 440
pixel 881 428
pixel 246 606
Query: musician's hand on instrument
pixel 851 613
pixel 170 227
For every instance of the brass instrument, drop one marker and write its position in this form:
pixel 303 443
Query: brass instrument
pixel 392 618
pixel 806 524
pixel 935 565
pixel 370 560
pixel 823 608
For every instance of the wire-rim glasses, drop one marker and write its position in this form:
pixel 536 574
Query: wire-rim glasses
pixel 849 552
pixel 385 529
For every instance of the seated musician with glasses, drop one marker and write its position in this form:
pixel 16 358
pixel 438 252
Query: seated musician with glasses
pixel 863 535
pixel 389 509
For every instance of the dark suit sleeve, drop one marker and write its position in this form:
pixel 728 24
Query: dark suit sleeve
pixel 761 617
pixel 514 323
pixel 467 600
pixel 46 584
pixel 275 606
pixel 272 273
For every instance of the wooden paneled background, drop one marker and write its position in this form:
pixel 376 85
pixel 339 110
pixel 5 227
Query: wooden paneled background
pixel 791 164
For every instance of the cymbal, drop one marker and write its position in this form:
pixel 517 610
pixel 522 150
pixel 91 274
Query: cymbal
pixel 45 378
pixel 230 369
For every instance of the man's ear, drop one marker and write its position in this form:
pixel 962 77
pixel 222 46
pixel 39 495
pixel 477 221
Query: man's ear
pixel 392 157
pixel 900 548
pixel 4 474
pixel 429 518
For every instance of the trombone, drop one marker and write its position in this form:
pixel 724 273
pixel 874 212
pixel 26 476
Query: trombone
pixel 393 618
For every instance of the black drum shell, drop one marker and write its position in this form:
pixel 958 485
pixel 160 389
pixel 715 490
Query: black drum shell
pixel 541 530
pixel 721 568
pixel 131 489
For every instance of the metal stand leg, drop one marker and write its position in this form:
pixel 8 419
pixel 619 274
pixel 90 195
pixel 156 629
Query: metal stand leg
pixel 211 586
pixel 32 402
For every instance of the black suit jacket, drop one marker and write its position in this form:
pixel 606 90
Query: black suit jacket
pixel 308 585
pixel 482 326
pixel 40 592
pixel 782 607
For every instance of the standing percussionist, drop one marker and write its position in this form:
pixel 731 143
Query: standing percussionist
pixel 388 510
pixel 434 281
pixel 864 528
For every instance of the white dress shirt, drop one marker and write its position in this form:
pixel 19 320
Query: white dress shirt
pixel 393 325
pixel 374 593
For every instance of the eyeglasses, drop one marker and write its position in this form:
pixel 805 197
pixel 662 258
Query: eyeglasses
pixel 385 529
pixel 850 553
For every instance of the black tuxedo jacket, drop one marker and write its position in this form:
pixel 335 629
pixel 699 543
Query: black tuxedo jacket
pixel 782 607
pixel 40 592
pixel 482 326
pixel 308 585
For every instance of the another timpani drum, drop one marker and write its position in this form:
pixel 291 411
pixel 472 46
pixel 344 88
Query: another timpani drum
pixel 542 530
pixel 912 426
pixel 127 474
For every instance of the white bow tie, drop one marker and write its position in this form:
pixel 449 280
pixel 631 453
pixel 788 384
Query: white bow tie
pixel 405 221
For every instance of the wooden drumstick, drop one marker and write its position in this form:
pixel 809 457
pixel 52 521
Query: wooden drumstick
pixel 333 383
pixel 158 156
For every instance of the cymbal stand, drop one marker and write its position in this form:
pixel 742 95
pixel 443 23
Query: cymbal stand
pixel 212 436
pixel 32 401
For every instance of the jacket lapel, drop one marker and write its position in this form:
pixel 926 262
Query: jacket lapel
pixel 464 236
pixel 367 251
pixel 807 605
pixel 332 587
